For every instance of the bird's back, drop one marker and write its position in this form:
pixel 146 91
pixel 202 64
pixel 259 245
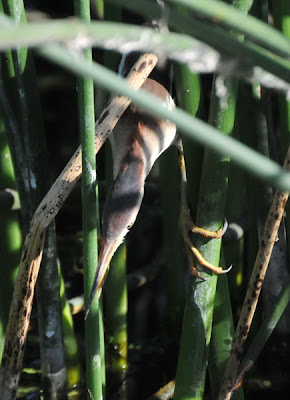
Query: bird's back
pixel 139 135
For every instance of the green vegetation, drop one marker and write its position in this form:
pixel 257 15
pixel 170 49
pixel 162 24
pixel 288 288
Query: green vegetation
pixel 157 323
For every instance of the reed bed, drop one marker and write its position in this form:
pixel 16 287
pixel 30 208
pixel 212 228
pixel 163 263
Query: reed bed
pixel 157 332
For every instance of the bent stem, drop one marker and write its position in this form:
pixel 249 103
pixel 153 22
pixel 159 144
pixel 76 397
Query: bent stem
pixel 33 246
pixel 256 282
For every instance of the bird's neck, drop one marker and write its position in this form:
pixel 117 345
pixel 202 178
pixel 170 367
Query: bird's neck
pixel 133 166
pixel 132 174
pixel 125 198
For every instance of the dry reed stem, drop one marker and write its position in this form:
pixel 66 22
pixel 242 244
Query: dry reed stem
pixel 33 246
pixel 165 393
pixel 250 303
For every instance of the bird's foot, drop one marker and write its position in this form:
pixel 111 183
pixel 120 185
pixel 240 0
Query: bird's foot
pixel 187 225
pixel 208 234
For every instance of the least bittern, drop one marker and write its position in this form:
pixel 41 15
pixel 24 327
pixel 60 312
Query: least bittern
pixel 137 142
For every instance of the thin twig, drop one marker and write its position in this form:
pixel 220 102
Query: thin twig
pixel 254 288
pixel 33 246
pixel 165 393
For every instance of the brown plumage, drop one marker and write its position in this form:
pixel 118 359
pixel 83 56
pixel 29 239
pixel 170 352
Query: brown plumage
pixel 137 141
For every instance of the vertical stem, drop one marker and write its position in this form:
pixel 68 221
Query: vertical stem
pixel 188 96
pixel 197 323
pixel 188 92
pixel 267 327
pixel 17 74
pixel 11 238
pixel 222 336
pixel 99 5
pixel 246 122
pixel 188 88
pixel 70 343
pixel 93 325
pixel 116 315
pixel 27 143
pixel 198 313
pixel 115 290
pixel 174 274
pixel 116 306
pixel 256 282
pixel 50 327
pixel 281 10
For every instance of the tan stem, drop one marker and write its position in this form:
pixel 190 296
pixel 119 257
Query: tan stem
pixel 250 303
pixel 33 246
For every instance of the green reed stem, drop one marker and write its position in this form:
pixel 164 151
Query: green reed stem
pixel 11 237
pixel 115 290
pixel 174 271
pixel 99 5
pixel 93 326
pixel 222 337
pixel 116 301
pixel 188 89
pixel 23 118
pixel 116 307
pixel 72 360
pixel 53 370
pixel 268 325
pixel 224 14
pixel 281 10
pixel 196 334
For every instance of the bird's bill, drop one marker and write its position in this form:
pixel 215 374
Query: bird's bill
pixel 108 249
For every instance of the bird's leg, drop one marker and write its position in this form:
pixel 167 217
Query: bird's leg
pixel 186 225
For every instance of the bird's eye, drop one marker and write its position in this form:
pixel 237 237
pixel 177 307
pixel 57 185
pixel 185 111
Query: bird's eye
pixel 130 226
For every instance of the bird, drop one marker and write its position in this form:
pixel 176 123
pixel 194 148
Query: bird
pixel 137 142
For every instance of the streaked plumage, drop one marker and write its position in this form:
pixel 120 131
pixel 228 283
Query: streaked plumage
pixel 137 141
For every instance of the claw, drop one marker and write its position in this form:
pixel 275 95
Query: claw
pixel 186 223
pixel 210 234
pixel 225 226
pixel 202 261
pixel 225 271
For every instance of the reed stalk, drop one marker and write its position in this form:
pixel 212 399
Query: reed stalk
pixel 115 290
pixel 189 96
pixel 116 307
pixel 222 336
pixel 99 5
pixel 72 357
pixel 195 338
pixel 281 10
pixel 188 92
pixel 27 143
pixel 11 236
pixel 193 356
pixel 174 270
pixel 94 335
pixel 266 329
pixel 233 17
